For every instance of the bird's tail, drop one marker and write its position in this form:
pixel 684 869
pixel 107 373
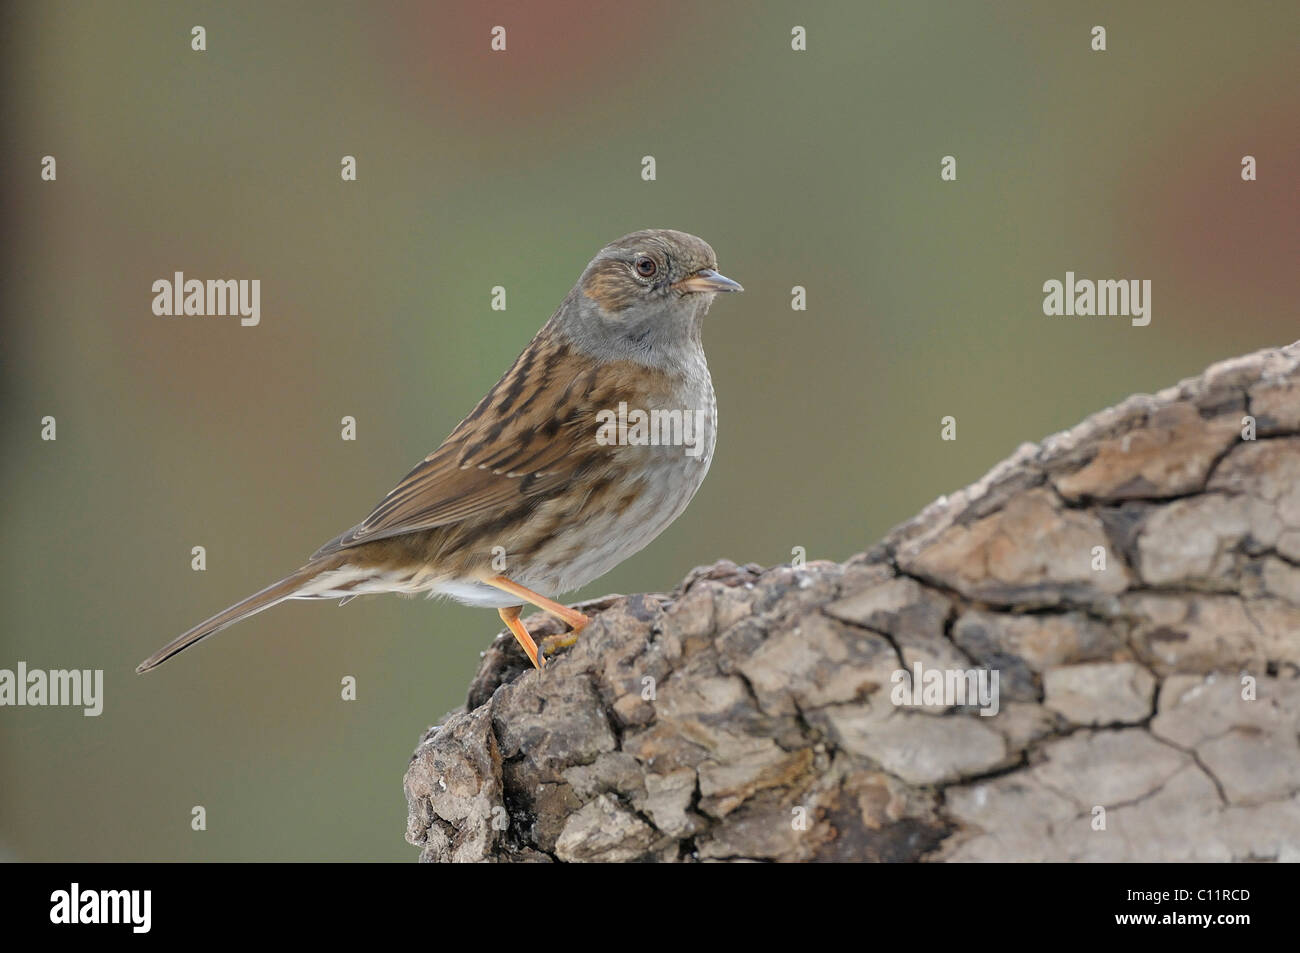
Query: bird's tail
pixel 272 595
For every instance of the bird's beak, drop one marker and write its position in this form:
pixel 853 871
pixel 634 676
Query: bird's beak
pixel 707 280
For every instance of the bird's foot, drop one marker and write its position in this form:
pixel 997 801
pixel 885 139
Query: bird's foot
pixel 553 643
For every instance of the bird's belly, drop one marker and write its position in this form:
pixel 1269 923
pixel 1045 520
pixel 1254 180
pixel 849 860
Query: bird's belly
pixel 612 534
pixel 623 522
pixel 598 537
pixel 645 488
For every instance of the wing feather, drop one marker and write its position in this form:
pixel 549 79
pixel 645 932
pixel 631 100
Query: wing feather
pixel 526 439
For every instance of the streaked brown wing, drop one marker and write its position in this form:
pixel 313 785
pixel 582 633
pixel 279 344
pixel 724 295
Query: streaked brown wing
pixel 527 438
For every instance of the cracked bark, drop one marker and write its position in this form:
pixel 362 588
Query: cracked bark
pixel 747 715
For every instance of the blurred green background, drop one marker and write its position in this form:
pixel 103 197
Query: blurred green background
pixel 477 168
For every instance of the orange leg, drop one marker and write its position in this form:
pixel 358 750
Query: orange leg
pixel 570 617
pixel 510 616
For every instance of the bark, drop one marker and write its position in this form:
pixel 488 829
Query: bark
pixel 1134 582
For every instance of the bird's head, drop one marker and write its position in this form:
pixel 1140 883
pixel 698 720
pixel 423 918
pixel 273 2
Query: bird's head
pixel 646 291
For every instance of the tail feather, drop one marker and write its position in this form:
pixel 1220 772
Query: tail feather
pixel 272 595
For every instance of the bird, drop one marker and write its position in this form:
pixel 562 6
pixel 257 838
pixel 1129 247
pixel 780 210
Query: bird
pixel 589 446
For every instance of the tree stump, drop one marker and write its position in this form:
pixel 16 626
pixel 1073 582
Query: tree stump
pixel 1133 582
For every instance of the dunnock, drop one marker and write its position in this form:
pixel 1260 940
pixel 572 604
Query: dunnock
pixel 538 491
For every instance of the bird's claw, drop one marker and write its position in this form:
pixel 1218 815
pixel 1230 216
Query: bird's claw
pixel 553 643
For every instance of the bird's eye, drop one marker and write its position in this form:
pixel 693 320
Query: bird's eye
pixel 645 266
